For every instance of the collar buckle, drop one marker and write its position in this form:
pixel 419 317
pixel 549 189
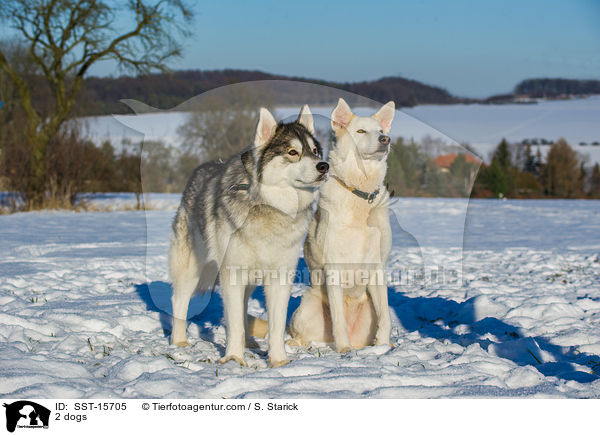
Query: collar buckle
pixel 372 196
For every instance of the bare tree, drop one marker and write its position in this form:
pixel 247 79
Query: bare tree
pixel 65 38
pixel 221 124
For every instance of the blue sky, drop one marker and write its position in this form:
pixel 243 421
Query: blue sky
pixel 471 48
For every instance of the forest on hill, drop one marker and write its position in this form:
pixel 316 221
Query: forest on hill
pixel 551 88
pixel 101 96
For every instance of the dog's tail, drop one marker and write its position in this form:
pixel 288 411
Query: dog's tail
pixel 183 265
pixel 179 252
pixel 257 327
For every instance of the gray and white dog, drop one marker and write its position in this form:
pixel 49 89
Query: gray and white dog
pixel 247 215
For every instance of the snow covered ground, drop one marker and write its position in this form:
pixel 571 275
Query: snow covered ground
pixel 80 296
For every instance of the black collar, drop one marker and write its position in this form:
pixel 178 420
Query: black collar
pixel 369 197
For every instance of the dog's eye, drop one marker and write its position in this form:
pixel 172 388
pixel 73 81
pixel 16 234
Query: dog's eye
pixel 361 131
pixel 293 152
pixel 316 152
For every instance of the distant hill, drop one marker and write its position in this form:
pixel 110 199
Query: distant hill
pixel 101 95
pixel 552 88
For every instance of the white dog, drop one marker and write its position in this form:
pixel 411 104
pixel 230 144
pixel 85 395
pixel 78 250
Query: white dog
pixel 349 239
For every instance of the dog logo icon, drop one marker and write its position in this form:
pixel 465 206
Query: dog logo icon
pixel 26 414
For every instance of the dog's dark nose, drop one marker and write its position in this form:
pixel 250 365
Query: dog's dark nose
pixel 322 167
pixel 384 140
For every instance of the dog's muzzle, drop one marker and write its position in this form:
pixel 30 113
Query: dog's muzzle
pixel 322 167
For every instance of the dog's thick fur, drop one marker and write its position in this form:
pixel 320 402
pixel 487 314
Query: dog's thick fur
pixel 349 237
pixel 247 214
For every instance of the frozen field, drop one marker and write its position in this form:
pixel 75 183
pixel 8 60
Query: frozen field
pixel 480 125
pixel 79 298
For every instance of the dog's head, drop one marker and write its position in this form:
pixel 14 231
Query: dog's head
pixel 289 154
pixel 367 134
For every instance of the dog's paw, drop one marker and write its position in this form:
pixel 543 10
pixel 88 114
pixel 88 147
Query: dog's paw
pixel 383 342
pixel 235 358
pixel 274 364
pixel 294 342
pixel 183 343
pixel 343 348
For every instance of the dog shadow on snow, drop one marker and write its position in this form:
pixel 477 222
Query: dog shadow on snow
pixel 434 317
pixel 157 297
pixel 438 318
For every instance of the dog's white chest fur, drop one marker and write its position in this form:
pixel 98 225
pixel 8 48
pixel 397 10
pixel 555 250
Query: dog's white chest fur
pixel 352 230
pixel 258 243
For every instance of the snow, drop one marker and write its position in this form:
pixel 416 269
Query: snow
pixel 482 126
pixel 85 300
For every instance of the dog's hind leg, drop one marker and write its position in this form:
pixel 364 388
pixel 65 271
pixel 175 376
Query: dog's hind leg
pixel 253 324
pixel 183 267
pixel 311 321
pixel 361 321
pixel 257 327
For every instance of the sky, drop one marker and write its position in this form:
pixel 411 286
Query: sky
pixel 470 48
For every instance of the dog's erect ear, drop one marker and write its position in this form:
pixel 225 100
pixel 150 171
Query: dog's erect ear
pixel 265 128
pixel 341 115
pixel 306 119
pixel 385 116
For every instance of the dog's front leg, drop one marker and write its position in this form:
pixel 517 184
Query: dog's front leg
pixel 233 305
pixel 335 294
pixel 378 290
pixel 277 296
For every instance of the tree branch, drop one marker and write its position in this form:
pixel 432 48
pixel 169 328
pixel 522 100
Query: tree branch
pixel 111 47
pixel 24 94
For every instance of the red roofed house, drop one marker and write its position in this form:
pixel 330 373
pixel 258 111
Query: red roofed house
pixel 445 160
